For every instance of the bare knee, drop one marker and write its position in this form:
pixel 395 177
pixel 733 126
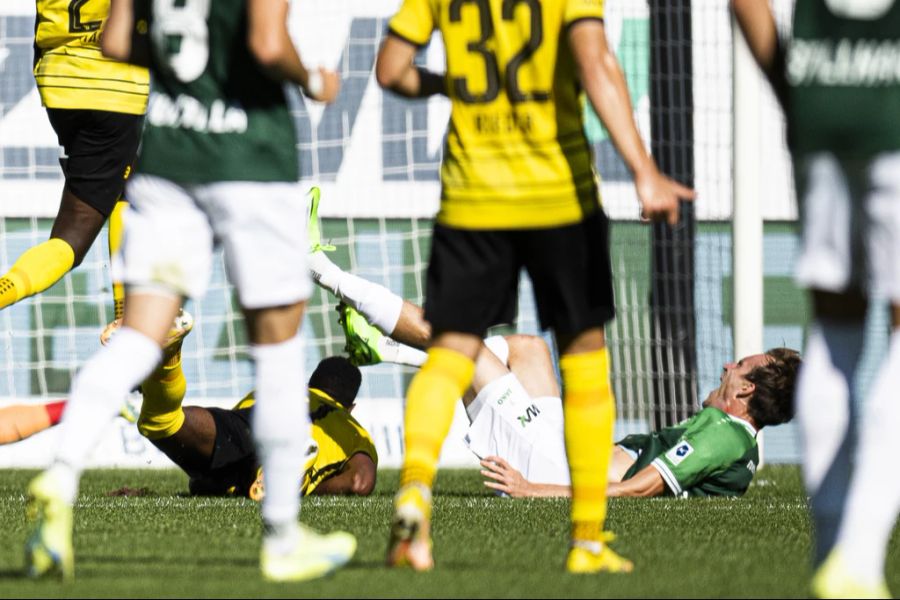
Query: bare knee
pixel 532 363
pixel 77 223
pixel 527 348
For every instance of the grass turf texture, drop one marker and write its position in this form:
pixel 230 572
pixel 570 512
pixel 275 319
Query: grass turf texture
pixel 165 544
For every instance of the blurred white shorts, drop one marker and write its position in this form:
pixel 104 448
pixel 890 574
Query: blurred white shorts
pixel 171 231
pixel 850 215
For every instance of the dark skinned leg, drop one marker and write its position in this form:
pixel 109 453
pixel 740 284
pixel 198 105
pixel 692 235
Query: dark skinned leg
pixel 191 447
pixel 77 223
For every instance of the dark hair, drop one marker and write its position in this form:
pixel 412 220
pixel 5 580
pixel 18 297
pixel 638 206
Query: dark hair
pixel 338 378
pixel 773 400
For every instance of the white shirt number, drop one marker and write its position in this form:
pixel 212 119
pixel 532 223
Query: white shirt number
pixel 181 36
pixel 859 9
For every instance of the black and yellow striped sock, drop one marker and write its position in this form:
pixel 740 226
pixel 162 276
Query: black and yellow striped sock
pixel 36 270
pixel 430 403
pixel 161 412
pixel 589 419
pixel 116 227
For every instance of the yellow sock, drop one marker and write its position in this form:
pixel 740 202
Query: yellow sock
pixel 36 270
pixel 161 412
pixel 590 413
pixel 430 403
pixel 115 240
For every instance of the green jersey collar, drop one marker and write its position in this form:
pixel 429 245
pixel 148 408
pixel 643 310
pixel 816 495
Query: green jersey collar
pixel 746 424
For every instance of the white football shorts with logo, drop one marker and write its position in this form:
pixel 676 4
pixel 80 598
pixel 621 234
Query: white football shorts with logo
pixel 850 212
pixel 527 432
pixel 171 231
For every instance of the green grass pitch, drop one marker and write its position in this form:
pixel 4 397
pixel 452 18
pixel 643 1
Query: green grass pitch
pixel 164 544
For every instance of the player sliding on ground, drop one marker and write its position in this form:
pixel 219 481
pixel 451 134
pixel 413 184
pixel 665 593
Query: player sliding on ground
pixel 215 446
pixel 515 411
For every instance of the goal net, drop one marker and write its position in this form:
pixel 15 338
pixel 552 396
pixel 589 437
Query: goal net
pixel 376 158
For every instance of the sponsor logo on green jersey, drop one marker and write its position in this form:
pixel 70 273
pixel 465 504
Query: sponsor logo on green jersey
pixel 845 62
pixel 186 112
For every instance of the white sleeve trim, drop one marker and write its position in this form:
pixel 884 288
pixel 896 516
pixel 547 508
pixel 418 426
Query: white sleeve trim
pixel 667 475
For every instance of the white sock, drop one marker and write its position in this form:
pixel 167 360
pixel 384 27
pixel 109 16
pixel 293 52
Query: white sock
pixel 874 496
pixel 323 271
pixel 827 423
pixel 380 306
pixel 394 352
pixel 281 538
pixel 98 391
pixel 281 430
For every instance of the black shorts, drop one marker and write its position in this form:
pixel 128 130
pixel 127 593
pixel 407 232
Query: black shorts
pixel 100 148
pixel 233 466
pixel 473 277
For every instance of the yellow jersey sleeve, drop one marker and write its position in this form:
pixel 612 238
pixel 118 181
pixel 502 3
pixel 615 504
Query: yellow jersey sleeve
pixel 575 10
pixel 339 437
pixel 414 22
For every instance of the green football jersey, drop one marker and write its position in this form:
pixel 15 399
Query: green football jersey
pixel 843 75
pixel 710 454
pixel 213 114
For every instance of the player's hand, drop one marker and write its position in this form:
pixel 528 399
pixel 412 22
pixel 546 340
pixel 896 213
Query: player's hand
pixel 659 196
pixel 330 86
pixel 505 479
pixel 109 331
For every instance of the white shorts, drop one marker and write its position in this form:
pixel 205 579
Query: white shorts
pixel 527 432
pixel 171 230
pixel 851 224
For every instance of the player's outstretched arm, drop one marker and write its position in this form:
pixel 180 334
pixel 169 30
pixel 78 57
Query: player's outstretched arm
pixel 504 478
pixel 270 43
pixel 357 478
pixel 396 71
pixel 647 483
pixel 21 421
pixel 603 81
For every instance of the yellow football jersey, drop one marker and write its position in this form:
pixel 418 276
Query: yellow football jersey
pixel 515 155
pixel 339 437
pixel 71 71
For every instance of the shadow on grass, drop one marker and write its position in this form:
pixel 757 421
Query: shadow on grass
pixel 19 574
pixel 88 559
pixel 385 493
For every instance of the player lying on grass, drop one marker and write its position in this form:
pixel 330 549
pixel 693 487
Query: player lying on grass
pixel 515 415
pixel 215 446
pixel 515 410
pixel 714 453
pixel 517 429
